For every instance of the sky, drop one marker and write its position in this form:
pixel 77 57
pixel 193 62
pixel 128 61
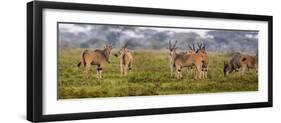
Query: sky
pixel 147 37
pixel 74 28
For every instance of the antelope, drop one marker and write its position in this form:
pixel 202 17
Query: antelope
pixel 171 60
pixel 240 62
pixel 171 64
pixel 191 50
pixel 181 60
pixel 170 56
pixel 97 57
pixel 126 60
pixel 202 51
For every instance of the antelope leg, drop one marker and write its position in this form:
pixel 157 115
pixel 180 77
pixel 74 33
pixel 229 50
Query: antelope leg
pixel 97 74
pixel 99 69
pixel 178 71
pixel 171 70
pixel 130 67
pixel 243 69
pixel 198 71
pixel 125 70
pixel 86 71
pixel 100 72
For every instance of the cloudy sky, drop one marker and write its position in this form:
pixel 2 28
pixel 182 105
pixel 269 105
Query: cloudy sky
pixel 93 36
pixel 76 28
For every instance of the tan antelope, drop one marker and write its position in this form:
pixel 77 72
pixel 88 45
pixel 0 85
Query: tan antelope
pixel 192 50
pixel 97 57
pixel 170 56
pixel 202 51
pixel 181 60
pixel 240 62
pixel 126 60
pixel 171 63
pixel 171 60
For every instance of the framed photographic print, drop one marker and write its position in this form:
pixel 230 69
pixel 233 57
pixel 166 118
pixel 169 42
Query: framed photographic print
pixel 95 61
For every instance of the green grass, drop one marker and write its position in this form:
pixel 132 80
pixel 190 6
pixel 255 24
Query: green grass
pixel 150 76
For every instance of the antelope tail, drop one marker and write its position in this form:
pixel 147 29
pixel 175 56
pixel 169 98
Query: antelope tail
pixel 116 55
pixel 82 59
pixel 78 65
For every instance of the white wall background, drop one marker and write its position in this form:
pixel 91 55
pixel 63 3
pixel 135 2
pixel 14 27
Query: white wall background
pixel 13 61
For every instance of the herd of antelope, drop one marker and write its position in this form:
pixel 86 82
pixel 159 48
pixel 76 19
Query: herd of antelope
pixel 196 60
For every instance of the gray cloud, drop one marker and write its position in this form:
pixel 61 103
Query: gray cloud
pixel 96 36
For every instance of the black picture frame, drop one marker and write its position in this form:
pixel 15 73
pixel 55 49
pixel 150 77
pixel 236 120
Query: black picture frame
pixel 35 69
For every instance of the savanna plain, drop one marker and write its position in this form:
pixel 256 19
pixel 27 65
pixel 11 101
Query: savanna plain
pixel 150 75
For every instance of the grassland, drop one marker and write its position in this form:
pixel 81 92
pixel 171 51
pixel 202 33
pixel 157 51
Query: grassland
pixel 150 76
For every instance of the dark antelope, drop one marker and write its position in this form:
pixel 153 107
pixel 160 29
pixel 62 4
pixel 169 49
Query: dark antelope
pixel 240 62
pixel 97 57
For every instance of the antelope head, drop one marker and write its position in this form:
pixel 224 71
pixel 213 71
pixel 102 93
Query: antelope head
pixel 123 50
pixel 201 48
pixel 172 48
pixel 107 49
pixel 192 49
